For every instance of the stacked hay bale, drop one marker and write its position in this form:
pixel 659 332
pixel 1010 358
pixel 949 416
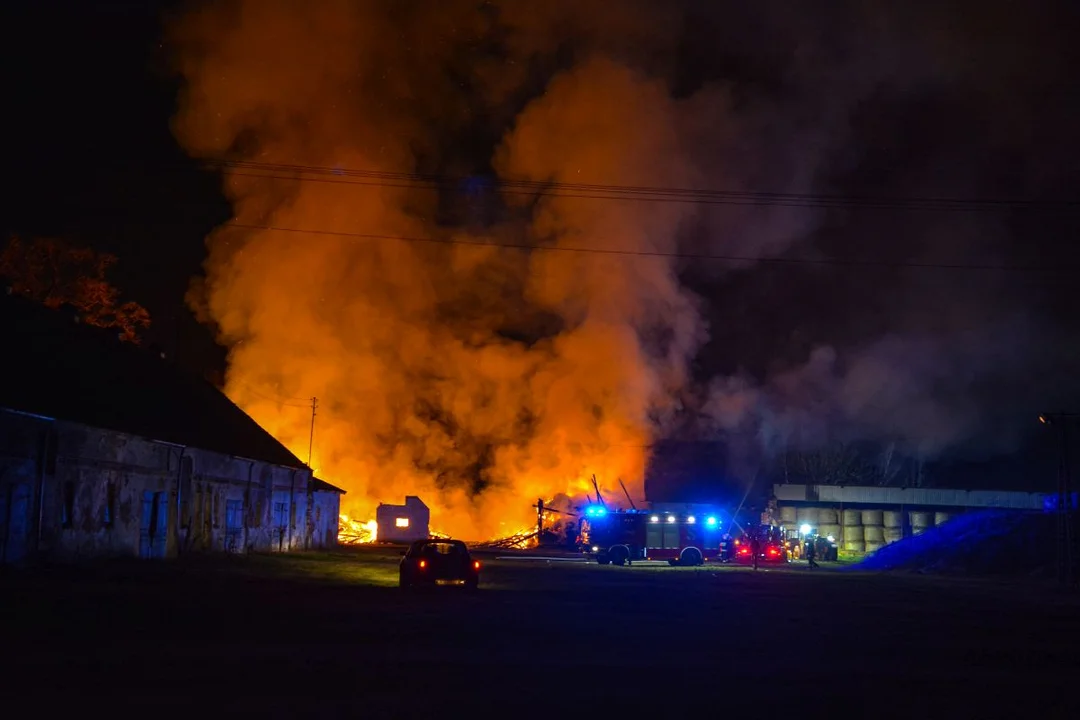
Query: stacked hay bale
pixel 893 521
pixel 920 521
pixel 853 531
pixel 828 522
pixel 787 516
pixel 940 518
pixel 873 530
pixel 807 516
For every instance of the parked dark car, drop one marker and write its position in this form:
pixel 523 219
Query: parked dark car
pixel 439 562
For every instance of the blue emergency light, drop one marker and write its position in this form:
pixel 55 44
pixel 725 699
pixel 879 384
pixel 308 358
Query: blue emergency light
pixel 595 511
pixel 711 521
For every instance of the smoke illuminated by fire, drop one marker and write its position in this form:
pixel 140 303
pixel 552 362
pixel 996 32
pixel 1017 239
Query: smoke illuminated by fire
pixel 481 378
pixel 476 378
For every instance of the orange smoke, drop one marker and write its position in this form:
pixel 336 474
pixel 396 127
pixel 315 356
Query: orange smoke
pixel 477 378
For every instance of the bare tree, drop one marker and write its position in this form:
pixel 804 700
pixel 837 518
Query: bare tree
pixel 836 464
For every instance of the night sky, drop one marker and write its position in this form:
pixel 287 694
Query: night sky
pixel 861 100
pixel 89 97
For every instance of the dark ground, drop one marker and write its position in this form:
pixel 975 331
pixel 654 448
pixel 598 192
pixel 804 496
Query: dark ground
pixel 333 635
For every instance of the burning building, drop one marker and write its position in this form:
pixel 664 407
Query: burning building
pixel 109 450
pixel 403 523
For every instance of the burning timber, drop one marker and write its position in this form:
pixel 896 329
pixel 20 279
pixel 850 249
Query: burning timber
pixel 354 532
pixel 517 541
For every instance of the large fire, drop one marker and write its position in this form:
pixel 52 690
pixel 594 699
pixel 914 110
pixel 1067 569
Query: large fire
pixel 475 377
pixel 356 532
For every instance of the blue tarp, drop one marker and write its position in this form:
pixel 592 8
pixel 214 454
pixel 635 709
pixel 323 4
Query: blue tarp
pixel 1050 502
pixel 1009 542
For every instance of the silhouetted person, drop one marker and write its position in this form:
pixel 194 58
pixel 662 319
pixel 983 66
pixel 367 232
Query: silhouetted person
pixel 755 548
pixel 811 552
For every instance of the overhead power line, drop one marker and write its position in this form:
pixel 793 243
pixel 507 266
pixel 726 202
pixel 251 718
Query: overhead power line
pixel 284 400
pixel 653 253
pixel 662 194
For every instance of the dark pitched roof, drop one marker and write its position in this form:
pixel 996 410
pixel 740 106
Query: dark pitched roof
pixel 62 369
pixel 322 486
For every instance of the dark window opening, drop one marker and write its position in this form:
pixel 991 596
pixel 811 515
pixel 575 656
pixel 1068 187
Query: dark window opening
pixel 110 505
pixel 50 451
pixel 198 506
pixel 185 492
pixel 234 513
pixel 234 525
pixel 155 514
pixel 68 511
pixel 208 508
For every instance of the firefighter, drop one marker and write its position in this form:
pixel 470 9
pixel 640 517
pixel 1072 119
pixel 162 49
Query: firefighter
pixel 755 547
pixel 811 551
pixel 725 547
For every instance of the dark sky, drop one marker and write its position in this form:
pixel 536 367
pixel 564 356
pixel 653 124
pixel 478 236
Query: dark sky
pixel 948 102
pixel 93 160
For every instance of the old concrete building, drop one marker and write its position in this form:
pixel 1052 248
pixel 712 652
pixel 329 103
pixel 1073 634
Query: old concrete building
pixel 403 523
pixel 108 450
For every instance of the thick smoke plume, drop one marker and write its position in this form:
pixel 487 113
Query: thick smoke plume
pixel 477 378
pixel 482 378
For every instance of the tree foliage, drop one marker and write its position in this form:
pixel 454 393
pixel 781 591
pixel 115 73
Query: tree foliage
pixel 55 274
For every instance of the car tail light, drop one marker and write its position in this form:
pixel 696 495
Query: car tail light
pixel 476 565
pixel 423 564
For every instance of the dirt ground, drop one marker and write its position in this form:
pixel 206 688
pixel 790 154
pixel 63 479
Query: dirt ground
pixel 332 635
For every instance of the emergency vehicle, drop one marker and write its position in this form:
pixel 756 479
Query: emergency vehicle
pixel 620 537
pixel 825 547
pixel 773 545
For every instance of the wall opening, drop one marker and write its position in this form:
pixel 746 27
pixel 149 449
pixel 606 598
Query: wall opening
pixel 67 512
pixel 109 515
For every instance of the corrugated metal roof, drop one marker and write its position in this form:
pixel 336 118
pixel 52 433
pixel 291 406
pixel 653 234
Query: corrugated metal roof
pixel 941 497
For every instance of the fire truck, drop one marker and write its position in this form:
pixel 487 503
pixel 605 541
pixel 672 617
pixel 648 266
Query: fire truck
pixel 620 537
pixel 773 545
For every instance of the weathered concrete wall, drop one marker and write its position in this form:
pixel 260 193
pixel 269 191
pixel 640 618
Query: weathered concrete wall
pixel 21 440
pixel 104 493
pixel 325 519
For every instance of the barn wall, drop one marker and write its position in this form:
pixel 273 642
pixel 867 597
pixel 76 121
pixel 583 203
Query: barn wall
pixel 68 491
pixel 21 439
pixel 325 519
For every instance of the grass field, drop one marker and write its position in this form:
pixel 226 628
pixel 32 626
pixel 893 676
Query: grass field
pixel 331 634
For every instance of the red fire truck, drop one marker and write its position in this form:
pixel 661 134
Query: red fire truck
pixel 620 537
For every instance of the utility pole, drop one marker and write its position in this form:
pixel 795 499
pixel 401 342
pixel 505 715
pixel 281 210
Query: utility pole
pixel 311 436
pixel 1066 511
